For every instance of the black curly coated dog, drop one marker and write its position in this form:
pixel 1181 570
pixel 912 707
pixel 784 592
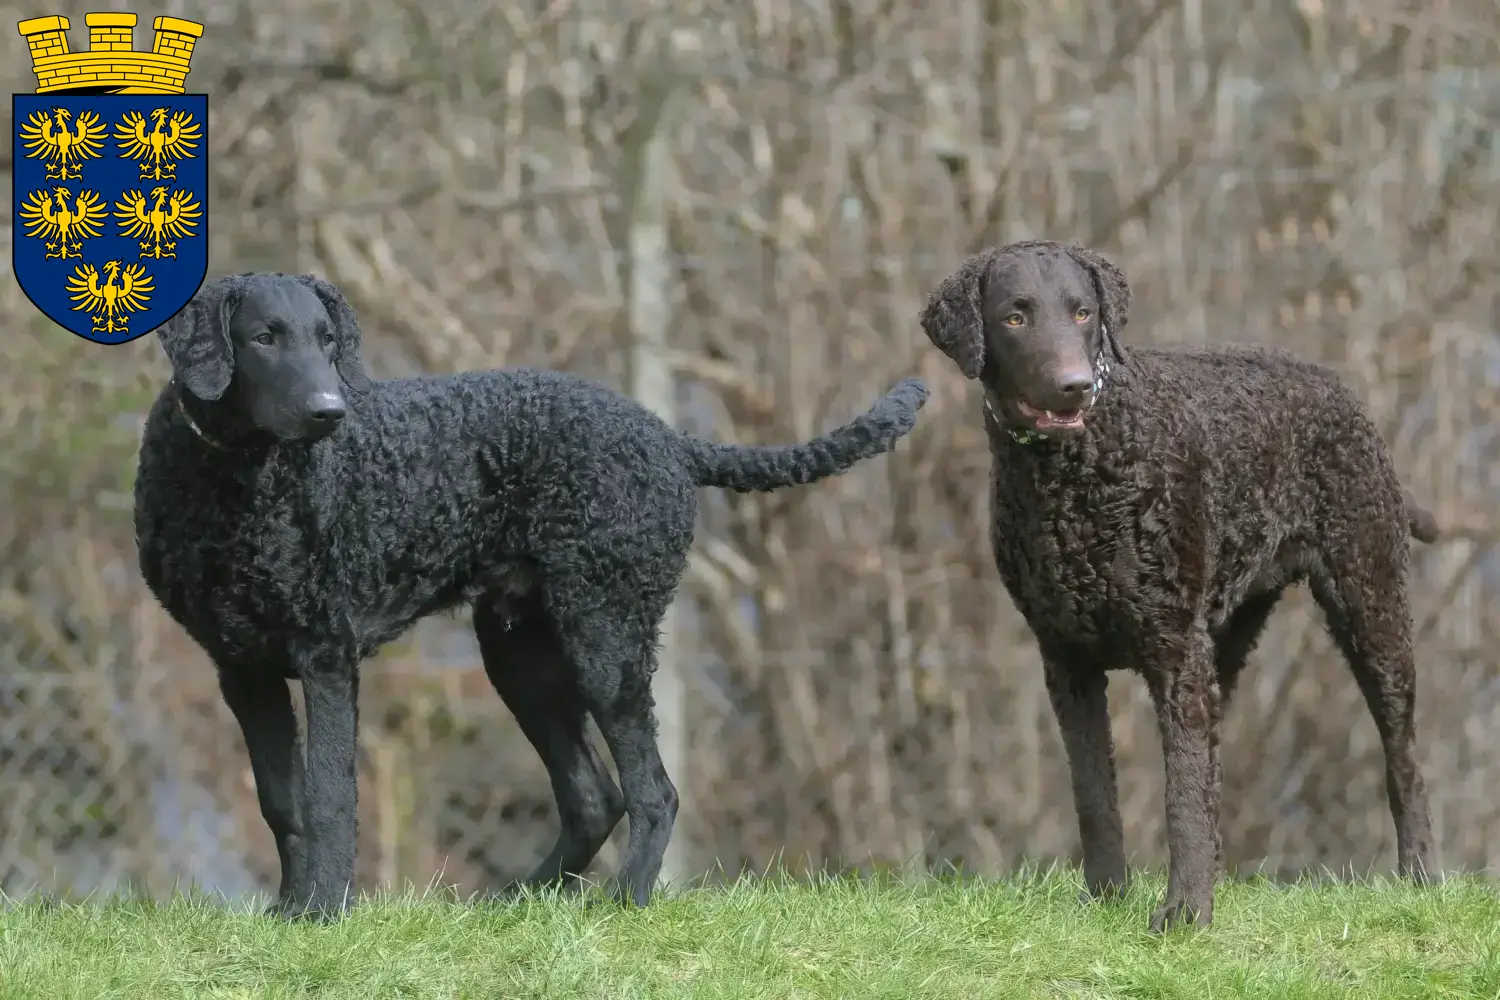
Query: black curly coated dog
pixel 1149 508
pixel 292 516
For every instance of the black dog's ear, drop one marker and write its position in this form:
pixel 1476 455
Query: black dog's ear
pixel 953 317
pixel 1113 292
pixel 350 365
pixel 196 340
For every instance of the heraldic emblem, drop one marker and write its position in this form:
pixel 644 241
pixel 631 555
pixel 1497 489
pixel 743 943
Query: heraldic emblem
pixel 110 174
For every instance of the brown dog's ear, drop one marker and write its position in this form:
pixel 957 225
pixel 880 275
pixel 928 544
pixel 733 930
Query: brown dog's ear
pixel 1113 292
pixel 196 340
pixel 953 317
pixel 350 365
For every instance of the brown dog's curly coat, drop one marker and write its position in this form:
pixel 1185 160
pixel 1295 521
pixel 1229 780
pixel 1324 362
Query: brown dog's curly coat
pixel 1149 508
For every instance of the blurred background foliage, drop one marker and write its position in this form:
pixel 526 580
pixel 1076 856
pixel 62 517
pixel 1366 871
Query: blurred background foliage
pixel 736 210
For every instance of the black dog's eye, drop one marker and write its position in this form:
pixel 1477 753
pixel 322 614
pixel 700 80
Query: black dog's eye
pixel 327 336
pixel 264 339
pixel 1082 315
pixel 1014 319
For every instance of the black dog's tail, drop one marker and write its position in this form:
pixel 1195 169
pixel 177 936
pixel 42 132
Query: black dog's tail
pixel 746 468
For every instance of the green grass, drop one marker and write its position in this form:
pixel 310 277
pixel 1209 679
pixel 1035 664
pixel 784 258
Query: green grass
pixel 1023 937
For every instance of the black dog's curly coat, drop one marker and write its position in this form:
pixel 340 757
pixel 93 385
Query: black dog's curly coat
pixel 1149 508
pixel 291 541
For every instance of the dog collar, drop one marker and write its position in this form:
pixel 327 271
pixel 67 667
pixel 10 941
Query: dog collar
pixel 1028 436
pixel 193 424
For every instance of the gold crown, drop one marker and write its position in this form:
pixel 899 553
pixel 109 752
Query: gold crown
pixel 111 65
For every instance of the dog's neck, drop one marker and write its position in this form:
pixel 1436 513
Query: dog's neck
pixel 1026 435
pixel 180 395
pixel 203 426
pixel 256 451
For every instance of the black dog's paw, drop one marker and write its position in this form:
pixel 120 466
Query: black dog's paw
pixel 315 910
pixel 628 894
pixel 1110 891
pixel 596 901
pixel 616 895
pixel 517 890
pixel 508 893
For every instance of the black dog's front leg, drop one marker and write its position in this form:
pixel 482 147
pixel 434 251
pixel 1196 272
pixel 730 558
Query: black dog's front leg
pixel 330 690
pixel 262 704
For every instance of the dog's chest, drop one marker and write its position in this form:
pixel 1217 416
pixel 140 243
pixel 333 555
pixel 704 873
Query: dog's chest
pixel 277 589
pixel 1062 549
pixel 245 585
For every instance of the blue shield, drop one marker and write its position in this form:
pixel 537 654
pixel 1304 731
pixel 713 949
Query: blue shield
pixel 110 208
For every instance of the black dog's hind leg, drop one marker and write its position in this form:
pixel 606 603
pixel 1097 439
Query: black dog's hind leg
pixel 615 659
pixel 262 704
pixel 330 691
pixel 525 663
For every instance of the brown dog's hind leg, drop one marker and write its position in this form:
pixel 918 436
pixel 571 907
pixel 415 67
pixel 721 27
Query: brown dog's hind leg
pixel 1233 645
pixel 1366 606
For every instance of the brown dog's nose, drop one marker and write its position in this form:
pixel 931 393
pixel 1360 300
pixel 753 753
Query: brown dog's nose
pixel 1074 384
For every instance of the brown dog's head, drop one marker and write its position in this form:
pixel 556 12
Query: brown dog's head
pixel 1036 323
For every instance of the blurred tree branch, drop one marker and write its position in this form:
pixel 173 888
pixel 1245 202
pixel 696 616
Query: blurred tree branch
pixel 491 202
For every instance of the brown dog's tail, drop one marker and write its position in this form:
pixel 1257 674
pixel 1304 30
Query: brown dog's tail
pixel 1424 527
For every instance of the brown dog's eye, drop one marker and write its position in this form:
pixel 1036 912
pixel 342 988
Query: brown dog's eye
pixel 1082 315
pixel 1014 319
pixel 265 339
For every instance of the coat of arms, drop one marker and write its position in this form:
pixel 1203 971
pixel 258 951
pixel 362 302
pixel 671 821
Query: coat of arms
pixel 110 174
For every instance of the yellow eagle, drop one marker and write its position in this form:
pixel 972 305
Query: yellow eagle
pixel 169 216
pixel 49 216
pixel 171 137
pixel 109 303
pixel 48 137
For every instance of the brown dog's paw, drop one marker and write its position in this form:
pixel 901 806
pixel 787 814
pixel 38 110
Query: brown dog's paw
pixel 1181 914
pixel 1416 869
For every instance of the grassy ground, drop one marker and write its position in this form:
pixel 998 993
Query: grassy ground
pixel 1026 937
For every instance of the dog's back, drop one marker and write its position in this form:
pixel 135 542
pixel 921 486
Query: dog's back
pixel 1279 432
pixel 1221 471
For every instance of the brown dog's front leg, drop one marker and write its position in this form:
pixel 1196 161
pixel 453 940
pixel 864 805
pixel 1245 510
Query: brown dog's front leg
pixel 1185 688
pixel 1080 701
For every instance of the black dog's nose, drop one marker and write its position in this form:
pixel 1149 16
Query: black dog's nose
pixel 327 410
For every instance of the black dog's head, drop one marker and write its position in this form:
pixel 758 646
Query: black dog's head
pixel 1030 320
pixel 276 356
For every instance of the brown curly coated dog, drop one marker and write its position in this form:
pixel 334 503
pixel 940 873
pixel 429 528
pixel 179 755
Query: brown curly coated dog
pixel 1149 508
